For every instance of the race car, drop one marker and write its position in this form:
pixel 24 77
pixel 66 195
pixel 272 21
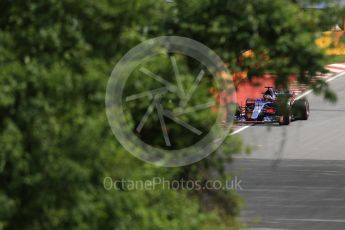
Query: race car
pixel 274 107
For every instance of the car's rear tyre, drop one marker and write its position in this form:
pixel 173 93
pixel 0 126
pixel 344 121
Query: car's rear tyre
pixel 301 109
pixel 305 111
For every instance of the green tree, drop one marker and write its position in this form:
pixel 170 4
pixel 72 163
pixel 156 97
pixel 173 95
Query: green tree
pixel 56 143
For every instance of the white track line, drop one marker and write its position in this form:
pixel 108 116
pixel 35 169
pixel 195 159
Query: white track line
pixel 297 98
pixel 240 130
pixel 335 77
pixel 328 80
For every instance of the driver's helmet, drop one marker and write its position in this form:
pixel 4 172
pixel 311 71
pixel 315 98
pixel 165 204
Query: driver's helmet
pixel 269 95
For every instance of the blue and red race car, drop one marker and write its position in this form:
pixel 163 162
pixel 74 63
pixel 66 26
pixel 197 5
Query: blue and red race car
pixel 274 107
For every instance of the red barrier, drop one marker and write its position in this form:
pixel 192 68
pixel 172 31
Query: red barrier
pixel 253 88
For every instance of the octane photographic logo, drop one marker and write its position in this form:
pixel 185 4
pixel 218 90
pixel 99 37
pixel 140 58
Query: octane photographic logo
pixel 161 101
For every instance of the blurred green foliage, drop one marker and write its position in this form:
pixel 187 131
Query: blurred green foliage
pixel 56 146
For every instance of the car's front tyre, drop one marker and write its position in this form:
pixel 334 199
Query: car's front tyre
pixel 285 119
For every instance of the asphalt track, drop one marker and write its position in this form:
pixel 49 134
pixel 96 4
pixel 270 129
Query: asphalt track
pixel 295 176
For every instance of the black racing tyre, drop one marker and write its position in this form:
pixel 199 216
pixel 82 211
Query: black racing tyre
pixel 285 119
pixel 238 110
pixel 301 109
pixel 304 110
pixel 284 111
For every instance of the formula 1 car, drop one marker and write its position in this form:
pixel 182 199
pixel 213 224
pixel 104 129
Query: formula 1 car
pixel 274 107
